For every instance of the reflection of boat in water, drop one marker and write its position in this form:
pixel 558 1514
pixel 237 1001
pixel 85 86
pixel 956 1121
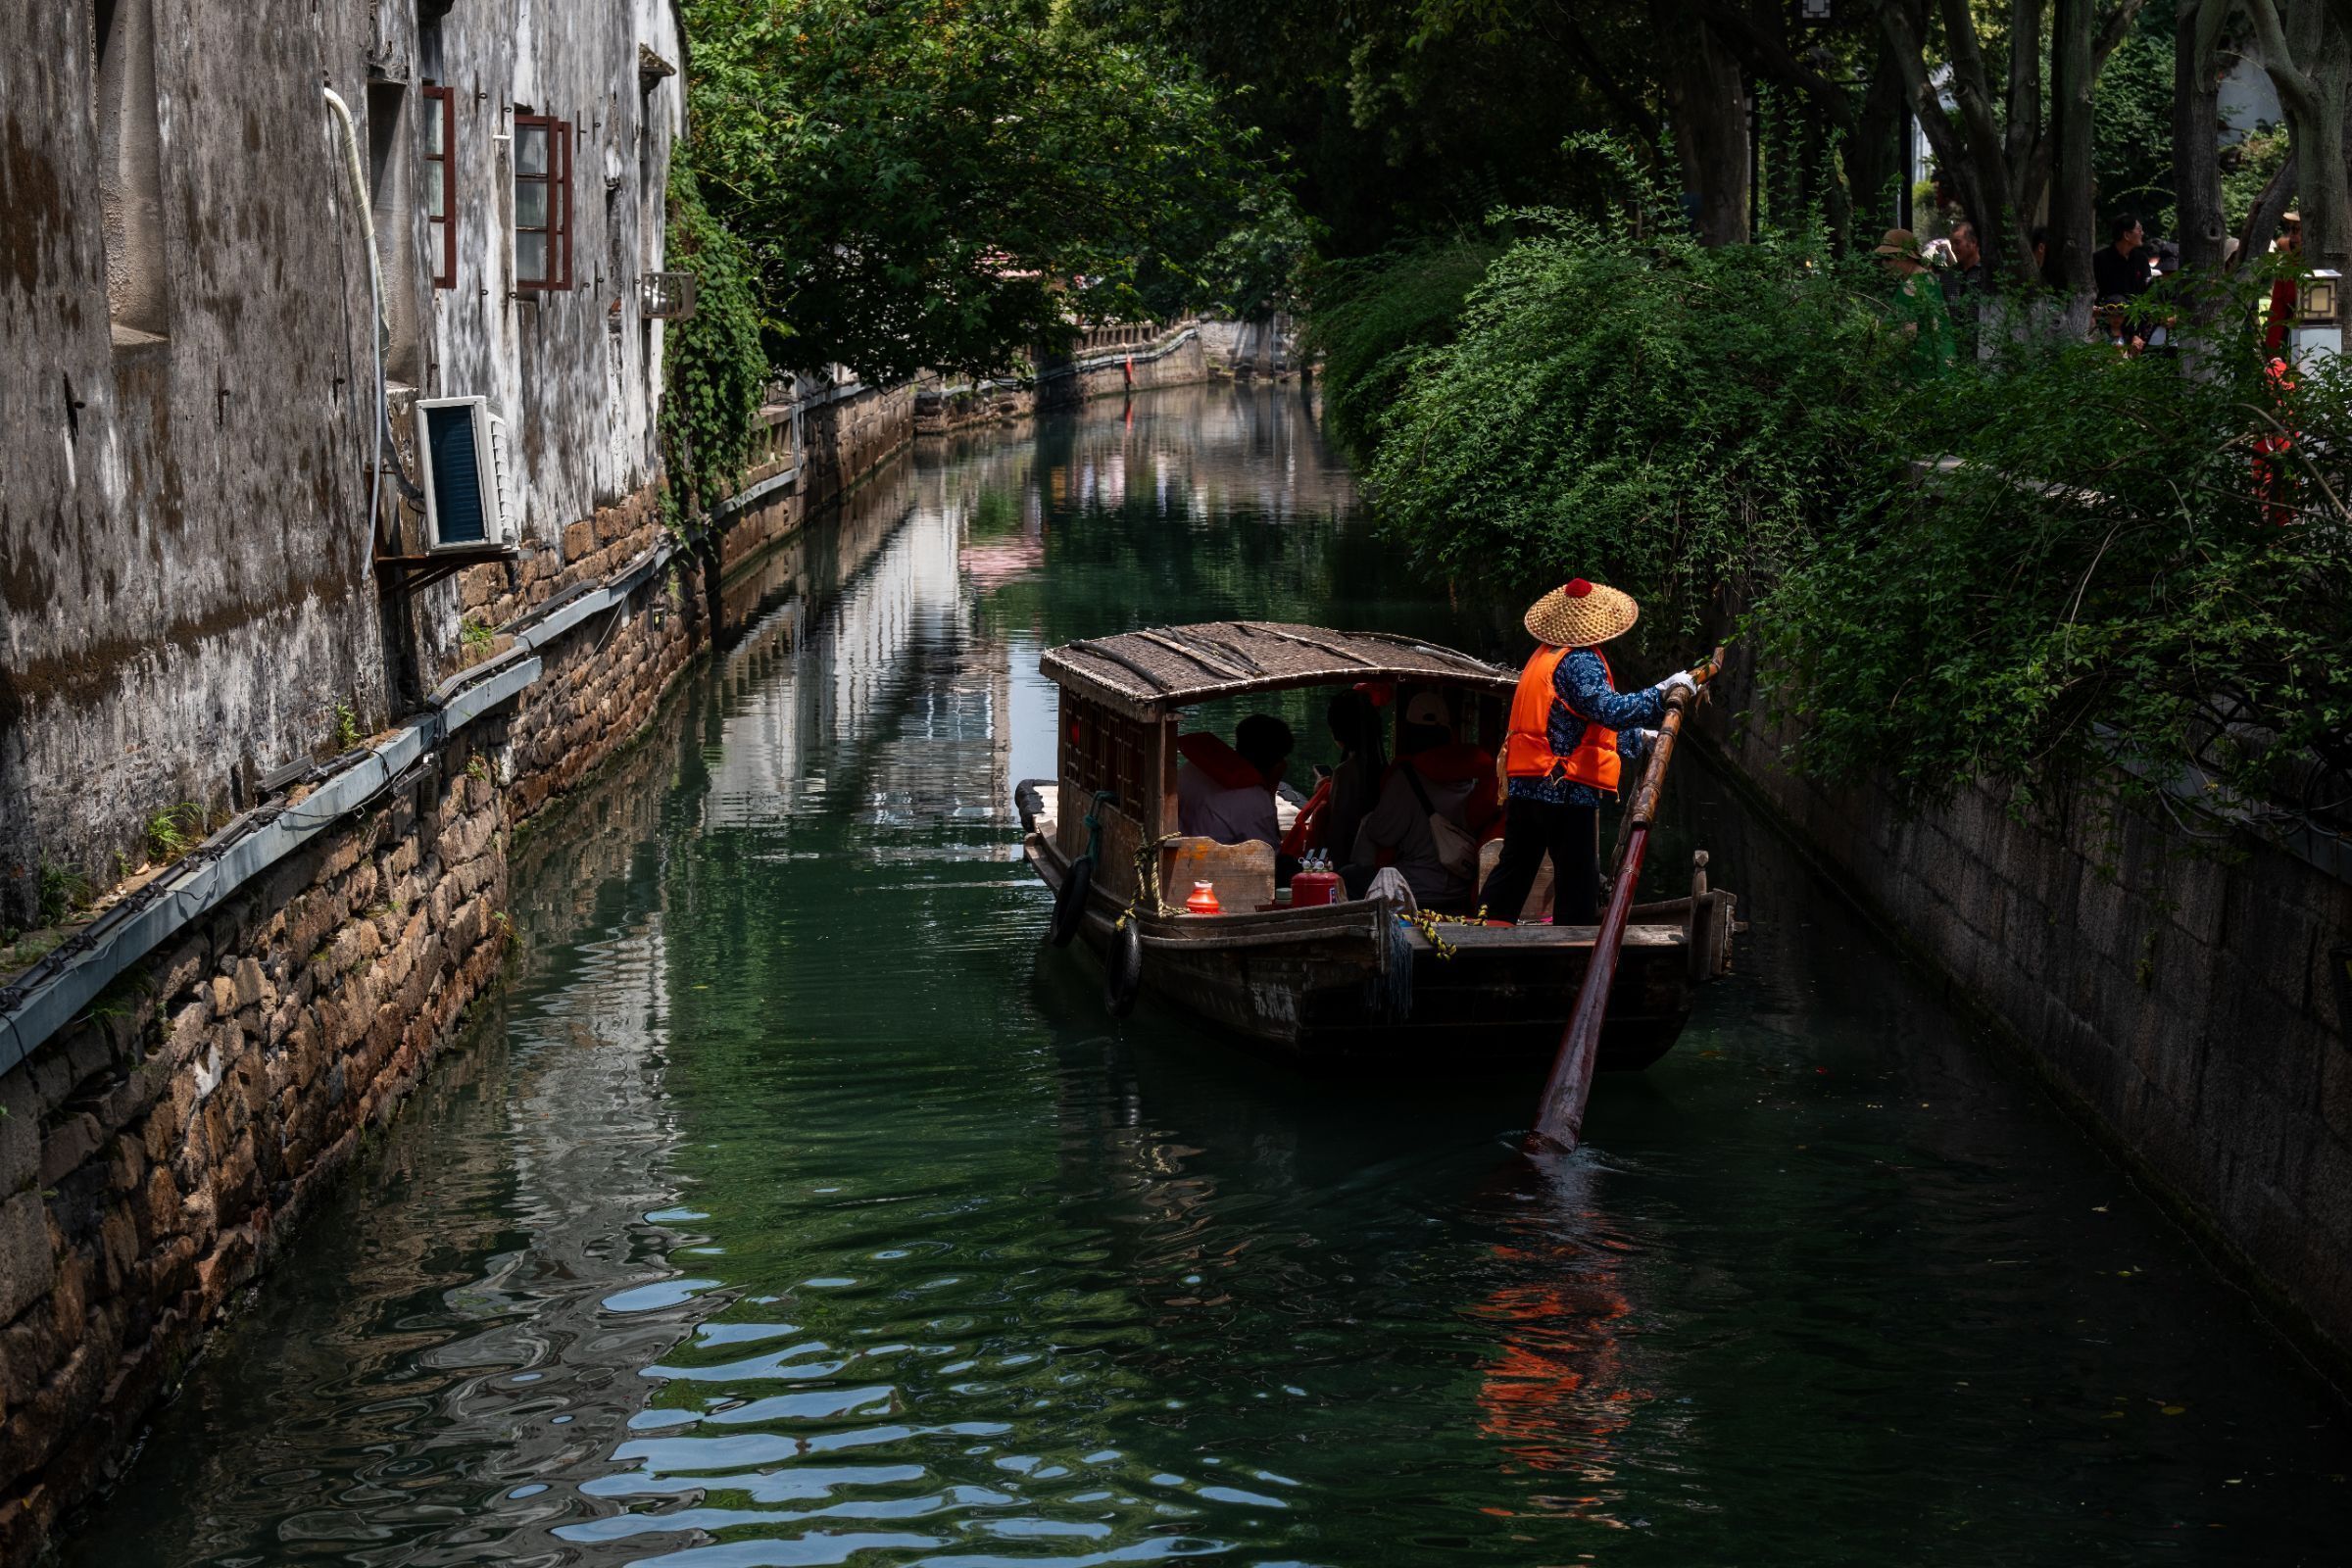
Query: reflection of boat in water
pixel 1336 982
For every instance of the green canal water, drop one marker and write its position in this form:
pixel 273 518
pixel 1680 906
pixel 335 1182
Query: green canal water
pixel 790 1207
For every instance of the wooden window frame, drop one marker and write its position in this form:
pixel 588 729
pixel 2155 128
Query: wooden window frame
pixel 1104 748
pixel 445 266
pixel 558 180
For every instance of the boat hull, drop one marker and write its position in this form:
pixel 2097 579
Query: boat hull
pixel 1352 985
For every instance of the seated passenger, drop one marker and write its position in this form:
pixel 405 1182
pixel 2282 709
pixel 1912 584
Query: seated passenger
pixel 1346 791
pixel 1226 792
pixel 1434 776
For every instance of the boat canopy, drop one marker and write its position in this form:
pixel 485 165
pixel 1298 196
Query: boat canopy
pixel 1150 673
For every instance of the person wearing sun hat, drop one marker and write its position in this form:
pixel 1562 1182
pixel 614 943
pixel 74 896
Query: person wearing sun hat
pixel 1571 735
pixel 1918 302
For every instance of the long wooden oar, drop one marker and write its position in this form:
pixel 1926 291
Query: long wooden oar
pixel 1561 1120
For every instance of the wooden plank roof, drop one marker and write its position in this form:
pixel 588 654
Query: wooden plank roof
pixel 1161 667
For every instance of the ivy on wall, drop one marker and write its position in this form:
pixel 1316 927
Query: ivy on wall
pixel 717 369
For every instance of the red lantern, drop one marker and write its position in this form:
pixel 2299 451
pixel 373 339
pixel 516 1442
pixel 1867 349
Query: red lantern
pixel 1203 901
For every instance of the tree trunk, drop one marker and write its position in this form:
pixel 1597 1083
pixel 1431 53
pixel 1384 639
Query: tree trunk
pixel 2309 60
pixel 2325 192
pixel 1874 158
pixel 2196 132
pixel 2073 229
pixel 1706 102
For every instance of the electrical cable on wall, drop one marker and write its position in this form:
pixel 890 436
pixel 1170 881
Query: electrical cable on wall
pixel 381 333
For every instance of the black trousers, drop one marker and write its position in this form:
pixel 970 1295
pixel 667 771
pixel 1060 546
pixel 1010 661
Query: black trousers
pixel 1571 836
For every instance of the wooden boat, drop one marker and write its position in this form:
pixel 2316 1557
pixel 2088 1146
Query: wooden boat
pixel 1340 983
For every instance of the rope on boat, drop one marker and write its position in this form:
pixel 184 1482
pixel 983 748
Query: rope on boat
pixel 1147 879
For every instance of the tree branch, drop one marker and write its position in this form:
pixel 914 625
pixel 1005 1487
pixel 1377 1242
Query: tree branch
pixel 2298 92
pixel 1604 82
pixel 1950 151
pixel 2118 26
pixel 2262 221
pixel 1996 193
pixel 2025 92
pixel 1769 56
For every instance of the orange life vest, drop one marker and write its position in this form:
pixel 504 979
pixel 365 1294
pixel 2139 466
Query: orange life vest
pixel 1527 750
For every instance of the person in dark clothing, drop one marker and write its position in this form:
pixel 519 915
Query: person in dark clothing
pixel 2118 273
pixel 1355 724
pixel 1967 274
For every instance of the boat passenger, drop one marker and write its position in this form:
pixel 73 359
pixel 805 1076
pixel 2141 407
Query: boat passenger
pixel 1435 804
pixel 1571 733
pixel 1226 792
pixel 1355 724
pixel 1346 791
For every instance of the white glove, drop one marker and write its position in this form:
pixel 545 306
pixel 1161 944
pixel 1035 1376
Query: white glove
pixel 1679 681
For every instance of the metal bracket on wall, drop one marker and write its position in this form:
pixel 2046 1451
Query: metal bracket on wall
pixel 405 574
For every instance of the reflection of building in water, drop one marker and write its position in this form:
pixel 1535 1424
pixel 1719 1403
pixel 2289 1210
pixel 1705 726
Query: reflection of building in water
pixel 1203 451
pixel 883 696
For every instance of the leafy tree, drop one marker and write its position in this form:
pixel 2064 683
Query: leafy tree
pixel 939 183
pixel 1374 317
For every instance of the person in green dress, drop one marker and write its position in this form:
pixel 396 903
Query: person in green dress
pixel 1919 311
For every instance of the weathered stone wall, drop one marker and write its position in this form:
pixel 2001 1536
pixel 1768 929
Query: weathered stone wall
pixel 152 1154
pixel 2195 1009
pixel 188 591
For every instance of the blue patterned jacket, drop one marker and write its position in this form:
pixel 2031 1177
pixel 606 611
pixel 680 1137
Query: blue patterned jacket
pixel 1583 695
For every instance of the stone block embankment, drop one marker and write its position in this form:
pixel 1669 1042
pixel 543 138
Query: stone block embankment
pixel 2191 1002
pixel 157 1151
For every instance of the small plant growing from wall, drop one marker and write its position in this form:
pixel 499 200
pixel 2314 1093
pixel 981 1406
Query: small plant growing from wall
pixel 347 725
pixel 62 890
pixel 173 831
pixel 476 639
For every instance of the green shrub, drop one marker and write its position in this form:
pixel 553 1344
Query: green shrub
pixel 1640 410
pixel 62 890
pixel 2026 568
pixel 2100 579
pixel 173 831
pixel 1372 316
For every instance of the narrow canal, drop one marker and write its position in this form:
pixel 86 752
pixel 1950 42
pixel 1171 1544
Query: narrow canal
pixel 790 1209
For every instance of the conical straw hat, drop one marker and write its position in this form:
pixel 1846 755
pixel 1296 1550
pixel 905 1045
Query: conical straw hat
pixel 1579 613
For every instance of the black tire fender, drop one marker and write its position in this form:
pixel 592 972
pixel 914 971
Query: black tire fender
pixel 1123 969
pixel 1069 902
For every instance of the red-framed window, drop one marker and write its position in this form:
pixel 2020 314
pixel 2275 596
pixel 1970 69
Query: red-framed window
pixel 542 203
pixel 441 184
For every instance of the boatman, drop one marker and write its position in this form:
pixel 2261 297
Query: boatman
pixel 1571 735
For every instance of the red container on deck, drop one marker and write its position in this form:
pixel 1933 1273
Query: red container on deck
pixel 1310 888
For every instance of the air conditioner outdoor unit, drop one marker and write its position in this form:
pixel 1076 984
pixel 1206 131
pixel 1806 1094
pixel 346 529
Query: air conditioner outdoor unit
pixel 469 504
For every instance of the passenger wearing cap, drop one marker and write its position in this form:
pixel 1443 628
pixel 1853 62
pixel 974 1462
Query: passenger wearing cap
pixel 1436 801
pixel 1571 735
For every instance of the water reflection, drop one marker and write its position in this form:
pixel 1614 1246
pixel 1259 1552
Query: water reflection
pixel 795 1211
